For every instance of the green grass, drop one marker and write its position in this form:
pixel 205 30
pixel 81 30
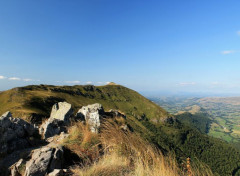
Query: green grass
pixel 220 135
pixel 27 100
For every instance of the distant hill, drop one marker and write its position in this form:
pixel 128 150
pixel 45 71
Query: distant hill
pixel 192 109
pixel 225 100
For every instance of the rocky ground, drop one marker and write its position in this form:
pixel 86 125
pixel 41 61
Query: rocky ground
pixel 31 150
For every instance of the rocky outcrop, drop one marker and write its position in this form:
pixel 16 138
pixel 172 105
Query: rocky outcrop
pixel 51 159
pixel 61 112
pixel 45 160
pixel 114 114
pixel 14 133
pixel 92 115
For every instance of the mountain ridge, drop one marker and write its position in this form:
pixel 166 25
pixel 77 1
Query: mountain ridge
pixel 36 99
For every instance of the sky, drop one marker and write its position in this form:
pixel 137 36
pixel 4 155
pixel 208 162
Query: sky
pixel 146 45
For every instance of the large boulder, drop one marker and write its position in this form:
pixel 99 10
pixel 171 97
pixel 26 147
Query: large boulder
pixel 14 133
pixel 60 115
pixel 92 114
pixel 44 161
pixel 61 111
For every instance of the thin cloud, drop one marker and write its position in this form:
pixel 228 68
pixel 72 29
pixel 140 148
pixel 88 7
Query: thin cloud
pixel 27 80
pixel 14 79
pixel 238 32
pixel 72 82
pixel 89 82
pixel 187 84
pixel 2 77
pixel 228 52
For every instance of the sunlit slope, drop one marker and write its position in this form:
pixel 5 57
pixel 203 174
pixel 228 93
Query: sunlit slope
pixel 24 101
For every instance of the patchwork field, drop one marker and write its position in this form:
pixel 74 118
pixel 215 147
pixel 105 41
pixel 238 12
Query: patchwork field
pixel 223 112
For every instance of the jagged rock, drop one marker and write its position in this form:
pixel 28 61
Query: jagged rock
pixel 15 169
pixel 52 127
pixel 14 133
pixel 91 114
pixel 44 160
pixel 59 118
pixel 61 111
pixel 6 115
pixel 114 114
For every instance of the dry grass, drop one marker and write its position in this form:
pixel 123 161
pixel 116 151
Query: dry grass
pixel 123 154
pixel 143 158
pixel 108 165
pixel 83 142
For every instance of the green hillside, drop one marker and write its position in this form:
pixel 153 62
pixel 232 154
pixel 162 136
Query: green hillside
pixel 200 121
pixel 145 118
pixel 25 101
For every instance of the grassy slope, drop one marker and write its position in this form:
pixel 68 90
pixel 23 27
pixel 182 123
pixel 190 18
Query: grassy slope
pixel 39 99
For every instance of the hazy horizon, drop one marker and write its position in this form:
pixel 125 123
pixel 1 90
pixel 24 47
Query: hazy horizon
pixel 149 46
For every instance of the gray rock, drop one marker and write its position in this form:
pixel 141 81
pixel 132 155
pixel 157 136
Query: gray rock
pixel 14 133
pixel 39 163
pixel 61 111
pixel 6 115
pixel 52 127
pixel 92 115
pixel 5 120
pixel 114 114
pixel 57 159
pixel 44 160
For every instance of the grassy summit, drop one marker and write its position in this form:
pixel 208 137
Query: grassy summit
pixel 25 101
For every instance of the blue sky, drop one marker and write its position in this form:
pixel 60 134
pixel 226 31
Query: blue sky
pixel 168 45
